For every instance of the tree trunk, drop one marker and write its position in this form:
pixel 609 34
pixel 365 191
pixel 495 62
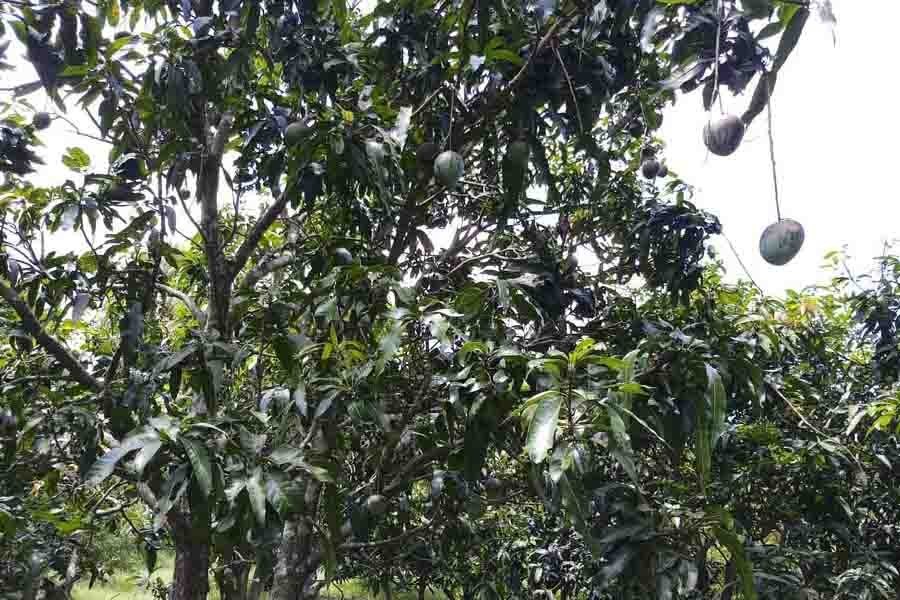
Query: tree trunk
pixel 191 578
pixel 262 574
pixel 232 581
pixel 730 581
pixel 190 581
pixel 293 577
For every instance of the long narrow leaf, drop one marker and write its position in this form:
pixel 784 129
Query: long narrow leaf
pixel 702 448
pixel 199 458
pixel 543 424
pixel 256 491
pixel 716 394
pixel 106 464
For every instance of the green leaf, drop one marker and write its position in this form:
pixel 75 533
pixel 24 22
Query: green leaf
pixel 702 448
pixel 75 71
pixel 76 159
pixel 113 13
pixel 560 462
pixel 257 493
pixel 116 45
pixel 766 85
pixel 145 455
pixel 543 424
pixel 106 464
pixel 716 395
pixel 199 459
pixel 744 568
pixel 284 350
pixel 174 359
pixel 503 55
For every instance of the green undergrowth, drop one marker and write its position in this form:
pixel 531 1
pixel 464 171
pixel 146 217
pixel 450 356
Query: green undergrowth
pixel 130 585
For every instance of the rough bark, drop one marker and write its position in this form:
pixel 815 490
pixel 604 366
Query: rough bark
pixel 190 580
pixel 190 532
pixel 293 576
pixel 295 569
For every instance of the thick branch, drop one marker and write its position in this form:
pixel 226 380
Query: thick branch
pixel 401 479
pixel 207 192
pixel 186 300
pixel 259 229
pixel 48 342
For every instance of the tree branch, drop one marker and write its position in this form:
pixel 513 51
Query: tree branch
pixel 400 479
pixel 186 300
pixel 387 541
pixel 259 229
pixel 207 193
pixel 263 269
pixel 48 342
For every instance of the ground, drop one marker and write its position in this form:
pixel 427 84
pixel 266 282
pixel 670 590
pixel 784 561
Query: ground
pixel 128 586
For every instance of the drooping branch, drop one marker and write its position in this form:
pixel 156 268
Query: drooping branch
pixel 186 300
pixel 259 229
pixel 46 341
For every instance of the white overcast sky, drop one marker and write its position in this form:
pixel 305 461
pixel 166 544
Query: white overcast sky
pixel 835 130
pixel 835 127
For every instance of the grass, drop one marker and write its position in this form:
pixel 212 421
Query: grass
pixel 127 586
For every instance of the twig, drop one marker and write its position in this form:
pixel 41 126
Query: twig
pixel 190 217
pixel 777 393
pixel 540 46
pixel 427 101
pixel 743 266
pixel 484 256
pixel 716 61
pixel 572 88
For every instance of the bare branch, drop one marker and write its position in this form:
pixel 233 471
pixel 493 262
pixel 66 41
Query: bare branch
pixel 186 300
pixel 263 269
pixel 46 341
pixel 259 229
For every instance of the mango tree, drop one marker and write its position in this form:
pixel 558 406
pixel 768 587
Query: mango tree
pixel 304 289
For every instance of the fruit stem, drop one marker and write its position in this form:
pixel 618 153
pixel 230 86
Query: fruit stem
pixel 716 59
pixel 772 150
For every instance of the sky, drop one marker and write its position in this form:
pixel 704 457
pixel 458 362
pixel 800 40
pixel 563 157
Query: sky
pixel 834 132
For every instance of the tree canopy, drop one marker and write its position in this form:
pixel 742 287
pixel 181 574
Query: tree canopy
pixel 328 320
